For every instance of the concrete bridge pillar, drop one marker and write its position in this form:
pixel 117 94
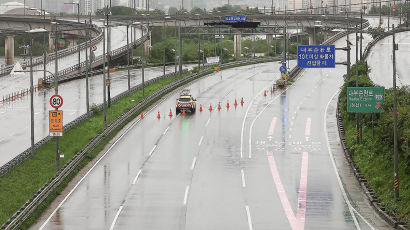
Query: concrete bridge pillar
pixel 51 41
pixel 9 50
pixel 313 33
pixel 72 41
pixel 147 45
pixel 237 45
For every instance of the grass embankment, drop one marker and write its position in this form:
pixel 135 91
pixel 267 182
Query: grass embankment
pixel 374 155
pixel 23 181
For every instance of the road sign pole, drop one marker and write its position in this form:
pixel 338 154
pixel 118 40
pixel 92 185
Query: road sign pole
pixel 56 92
pixel 396 176
pixel 180 49
pixel 109 58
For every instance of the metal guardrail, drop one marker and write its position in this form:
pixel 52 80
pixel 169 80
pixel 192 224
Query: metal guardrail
pixel 370 45
pixel 69 73
pixel 24 212
pixel 5 70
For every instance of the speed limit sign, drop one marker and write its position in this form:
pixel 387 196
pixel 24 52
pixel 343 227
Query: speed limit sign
pixel 56 101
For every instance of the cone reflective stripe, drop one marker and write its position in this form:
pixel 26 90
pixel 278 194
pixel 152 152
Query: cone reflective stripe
pixel 170 113
pixel 159 115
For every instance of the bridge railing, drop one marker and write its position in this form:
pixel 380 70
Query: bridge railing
pixel 69 73
pixel 5 70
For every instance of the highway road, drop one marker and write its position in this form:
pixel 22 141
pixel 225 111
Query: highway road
pixel 380 61
pixel 261 166
pixel 264 165
pixel 15 116
pixel 21 81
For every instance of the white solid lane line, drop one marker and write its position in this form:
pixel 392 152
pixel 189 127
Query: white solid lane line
pixel 193 163
pixel 166 130
pixel 136 177
pixel 248 214
pixel 186 194
pixel 150 153
pixel 116 217
pixel 243 178
pixel 200 141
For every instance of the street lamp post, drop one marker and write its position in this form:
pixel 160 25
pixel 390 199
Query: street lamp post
pixel 396 173
pixel 104 83
pixel 128 59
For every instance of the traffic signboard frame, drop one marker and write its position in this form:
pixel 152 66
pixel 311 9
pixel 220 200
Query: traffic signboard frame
pixel 55 124
pixel 56 101
pixel 316 56
pixel 365 99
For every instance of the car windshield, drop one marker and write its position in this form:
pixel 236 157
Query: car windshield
pixel 184 99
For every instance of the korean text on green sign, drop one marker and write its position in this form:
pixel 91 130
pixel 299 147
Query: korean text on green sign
pixel 365 99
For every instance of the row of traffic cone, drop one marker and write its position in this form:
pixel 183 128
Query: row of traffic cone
pixel 200 109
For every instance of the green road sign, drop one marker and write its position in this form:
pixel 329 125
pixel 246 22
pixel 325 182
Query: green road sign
pixel 365 99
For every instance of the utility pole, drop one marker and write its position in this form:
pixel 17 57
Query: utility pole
pixel 56 90
pixel 199 51
pixel 380 13
pixel 104 83
pixel 396 170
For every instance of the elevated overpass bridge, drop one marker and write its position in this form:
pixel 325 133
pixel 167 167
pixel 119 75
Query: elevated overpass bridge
pixel 269 25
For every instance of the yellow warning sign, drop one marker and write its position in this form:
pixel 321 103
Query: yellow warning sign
pixel 55 122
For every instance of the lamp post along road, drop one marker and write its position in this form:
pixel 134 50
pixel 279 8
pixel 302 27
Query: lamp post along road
pixel 109 59
pixel 396 170
pixel 128 59
pixel 104 83
pixel 143 63
pixel 180 49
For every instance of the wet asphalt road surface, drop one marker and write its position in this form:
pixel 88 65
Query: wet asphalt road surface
pixel 261 166
pixel 15 116
pixel 381 57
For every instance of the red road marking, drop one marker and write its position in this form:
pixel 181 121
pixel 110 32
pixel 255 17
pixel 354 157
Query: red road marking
pixel 272 127
pixel 298 222
pixel 308 125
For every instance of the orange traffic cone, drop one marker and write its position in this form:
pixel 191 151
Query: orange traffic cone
pixel 142 115
pixel 236 103
pixel 242 101
pixel 200 108
pixel 219 106
pixel 210 108
pixel 183 112
pixel 264 93
pixel 159 115
pixel 227 105
pixel 170 113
